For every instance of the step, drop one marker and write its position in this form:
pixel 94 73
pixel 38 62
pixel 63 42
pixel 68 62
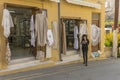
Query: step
pixel 22 60
pixel 25 65
pixel 69 58
pixel 71 52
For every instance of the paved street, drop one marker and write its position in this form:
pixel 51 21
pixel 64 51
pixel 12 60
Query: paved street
pixel 97 70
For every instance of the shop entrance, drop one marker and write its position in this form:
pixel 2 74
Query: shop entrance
pixel 69 27
pixel 68 35
pixel 96 21
pixel 19 38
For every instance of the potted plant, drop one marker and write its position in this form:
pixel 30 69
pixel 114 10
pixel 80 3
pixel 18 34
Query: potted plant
pixel 108 44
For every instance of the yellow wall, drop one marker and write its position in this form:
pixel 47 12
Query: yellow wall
pixel 51 9
pixel 71 10
pixel 67 9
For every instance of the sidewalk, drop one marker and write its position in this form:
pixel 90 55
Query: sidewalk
pixel 33 65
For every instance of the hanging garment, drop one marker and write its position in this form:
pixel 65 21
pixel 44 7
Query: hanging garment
pixel 75 37
pixel 32 29
pixel 64 47
pixel 55 34
pixel 83 29
pixel 40 55
pixel 7 22
pixel 8 53
pixel 41 27
pixel 50 38
pixel 95 35
pixel 48 52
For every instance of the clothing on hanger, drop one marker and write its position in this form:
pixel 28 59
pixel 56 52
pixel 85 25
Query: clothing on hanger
pixel 76 37
pixel 95 35
pixel 64 46
pixel 41 27
pixel 55 34
pixel 8 53
pixel 32 29
pixel 50 38
pixel 83 29
pixel 7 22
pixel 40 55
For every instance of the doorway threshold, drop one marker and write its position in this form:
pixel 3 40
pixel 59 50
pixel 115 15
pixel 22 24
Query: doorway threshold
pixel 69 57
pixel 21 60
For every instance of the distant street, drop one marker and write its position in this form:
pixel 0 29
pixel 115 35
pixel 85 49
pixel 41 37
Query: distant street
pixel 97 70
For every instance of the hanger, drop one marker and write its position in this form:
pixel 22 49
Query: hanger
pixel 39 10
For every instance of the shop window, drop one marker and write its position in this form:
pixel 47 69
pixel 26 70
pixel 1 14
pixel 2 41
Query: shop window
pixel 20 36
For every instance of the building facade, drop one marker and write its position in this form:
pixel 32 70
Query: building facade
pixel 91 11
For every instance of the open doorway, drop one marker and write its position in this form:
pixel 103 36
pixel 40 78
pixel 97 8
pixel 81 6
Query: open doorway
pixel 96 21
pixel 19 38
pixel 70 28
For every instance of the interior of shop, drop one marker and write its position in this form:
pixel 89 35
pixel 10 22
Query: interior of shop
pixel 69 27
pixel 72 30
pixel 19 38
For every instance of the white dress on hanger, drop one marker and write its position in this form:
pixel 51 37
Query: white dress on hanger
pixel 32 29
pixel 83 29
pixel 7 22
pixel 50 38
pixel 50 43
pixel 75 37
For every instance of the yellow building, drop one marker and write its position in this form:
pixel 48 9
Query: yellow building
pixel 91 11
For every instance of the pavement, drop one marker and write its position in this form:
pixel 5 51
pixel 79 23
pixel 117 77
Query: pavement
pixel 108 69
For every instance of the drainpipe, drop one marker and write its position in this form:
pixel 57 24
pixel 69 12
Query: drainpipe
pixel 59 24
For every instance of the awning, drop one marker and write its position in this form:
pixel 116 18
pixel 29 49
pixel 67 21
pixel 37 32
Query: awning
pixel 55 1
pixel 84 3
